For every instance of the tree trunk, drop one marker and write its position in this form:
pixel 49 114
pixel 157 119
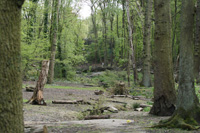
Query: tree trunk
pixel 11 103
pixel 146 79
pixel 131 43
pixel 187 114
pixel 164 90
pixel 53 39
pixel 197 45
pixel 37 97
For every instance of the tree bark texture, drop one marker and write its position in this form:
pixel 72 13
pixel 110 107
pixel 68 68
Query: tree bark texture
pixel 187 114
pixel 11 103
pixel 53 39
pixel 131 42
pixel 37 97
pixel 146 79
pixel 164 90
pixel 197 45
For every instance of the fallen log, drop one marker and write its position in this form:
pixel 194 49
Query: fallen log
pixel 113 109
pixel 92 117
pixel 116 101
pixel 36 129
pixel 70 102
pixel 98 92
pixel 30 89
pixel 145 105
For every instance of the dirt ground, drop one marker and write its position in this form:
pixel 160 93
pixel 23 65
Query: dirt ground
pixel 66 118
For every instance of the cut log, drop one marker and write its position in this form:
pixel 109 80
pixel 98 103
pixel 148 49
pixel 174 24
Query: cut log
pixel 138 109
pixel 116 101
pixel 92 117
pixel 37 97
pixel 30 89
pixel 36 129
pixel 70 102
pixel 113 109
pixel 138 97
pixel 98 92
pixel 145 105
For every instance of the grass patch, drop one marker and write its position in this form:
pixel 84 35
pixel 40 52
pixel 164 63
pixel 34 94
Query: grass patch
pixel 72 87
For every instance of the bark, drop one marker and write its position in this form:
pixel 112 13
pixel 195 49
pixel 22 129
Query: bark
pixel 53 39
pixel 131 43
pixel 37 97
pixel 164 90
pixel 197 45
pixel 187 114
pixel 146 79
pixel 11 103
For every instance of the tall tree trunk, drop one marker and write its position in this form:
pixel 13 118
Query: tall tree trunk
pixel 197 45
pixel 164 90
pixel 11 103
pixel 37 97
pixel 187 114
pixel 53 39
pixel 146 79
pixel 46 16
pixel 131 43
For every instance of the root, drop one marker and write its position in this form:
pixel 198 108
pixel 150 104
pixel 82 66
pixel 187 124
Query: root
pixel 177 122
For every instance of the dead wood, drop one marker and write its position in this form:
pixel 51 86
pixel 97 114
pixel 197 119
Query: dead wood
pixel 30 89
pixel 116 101
pixel 36 129
pixel 92 117
pixel 98 92
pixel 145 105
pixel 37 97
pixel 70 102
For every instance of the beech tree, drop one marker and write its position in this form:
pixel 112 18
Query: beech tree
pixel 146 79
pixel 164 89
pixel 53 38
pixel 187 114
pixel 11 103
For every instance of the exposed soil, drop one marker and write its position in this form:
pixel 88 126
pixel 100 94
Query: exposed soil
pixel 65 118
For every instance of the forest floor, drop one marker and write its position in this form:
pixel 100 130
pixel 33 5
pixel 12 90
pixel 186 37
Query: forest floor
pixel 68 118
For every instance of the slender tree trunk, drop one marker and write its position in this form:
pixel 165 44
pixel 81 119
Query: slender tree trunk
pixel 131 43
pixel 146 79
pixel 11 103
pixel 197 45
pixel 46 16
pixel 53 39
pixel 37 97
pixel 164 90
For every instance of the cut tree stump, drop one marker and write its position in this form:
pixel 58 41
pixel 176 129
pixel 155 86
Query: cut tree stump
pixel 70 102
pixel 37 97
pixel 92 117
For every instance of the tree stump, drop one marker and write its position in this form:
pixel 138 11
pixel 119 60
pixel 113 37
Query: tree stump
pixel 37 97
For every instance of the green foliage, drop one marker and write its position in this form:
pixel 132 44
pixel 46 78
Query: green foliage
pixel 136 105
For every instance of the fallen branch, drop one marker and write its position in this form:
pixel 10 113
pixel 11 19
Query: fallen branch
pixel 92 117
pixel 70 102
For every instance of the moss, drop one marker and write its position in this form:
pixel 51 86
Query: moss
pixel 181 119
